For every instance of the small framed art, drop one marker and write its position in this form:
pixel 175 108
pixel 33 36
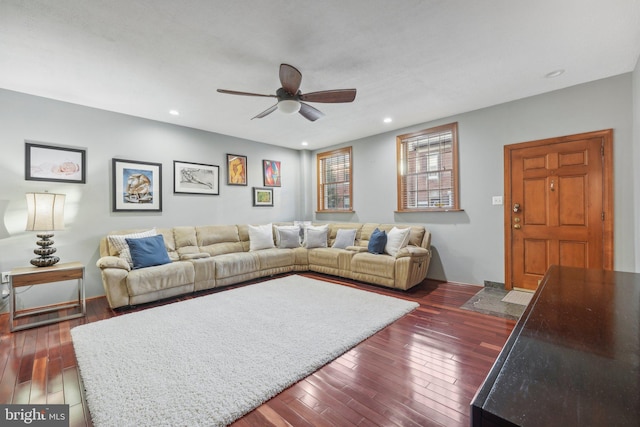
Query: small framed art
pixel 137 186
pixel 271 171
pixel 54 163
pixel 196 178
pixel 262 196
pixel 236 169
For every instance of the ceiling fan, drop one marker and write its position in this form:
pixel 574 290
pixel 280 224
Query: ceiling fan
pixel 290 99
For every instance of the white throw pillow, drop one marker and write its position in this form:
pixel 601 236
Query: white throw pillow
pixel 119 243
pixel 287 237
pixel 260 237
pixel 279 228
pixel 344 238
pixel 397 239
pixel 316 237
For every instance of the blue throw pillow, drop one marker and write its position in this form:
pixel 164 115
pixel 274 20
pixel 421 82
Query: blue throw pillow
pixel 377 242
pixel 148 251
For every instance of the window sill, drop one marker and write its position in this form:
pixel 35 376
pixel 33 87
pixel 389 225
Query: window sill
pixel 428 210
pixel 335 211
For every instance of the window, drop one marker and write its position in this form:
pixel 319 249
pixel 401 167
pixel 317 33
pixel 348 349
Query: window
pixel 334 181
pixel 428 169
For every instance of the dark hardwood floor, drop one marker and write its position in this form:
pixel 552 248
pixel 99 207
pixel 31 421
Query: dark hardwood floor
pixel 422 370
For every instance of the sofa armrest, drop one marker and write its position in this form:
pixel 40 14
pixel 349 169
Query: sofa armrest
pixel 186 257
pixel 113 262
pixel 410 251
pixel 357 249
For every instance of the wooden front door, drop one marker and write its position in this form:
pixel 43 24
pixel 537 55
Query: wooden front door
pixel 558 206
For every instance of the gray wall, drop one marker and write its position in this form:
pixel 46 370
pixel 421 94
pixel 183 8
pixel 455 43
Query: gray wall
pixel 469 245
pixel 88 215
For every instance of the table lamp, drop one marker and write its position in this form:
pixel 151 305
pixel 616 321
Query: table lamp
pixel 45 214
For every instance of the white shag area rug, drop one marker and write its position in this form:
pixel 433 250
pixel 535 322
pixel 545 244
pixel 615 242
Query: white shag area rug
pixel 209 360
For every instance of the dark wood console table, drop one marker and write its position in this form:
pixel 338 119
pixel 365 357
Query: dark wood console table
pixel 573 359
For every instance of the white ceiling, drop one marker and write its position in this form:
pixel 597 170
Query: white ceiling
pixel 411 60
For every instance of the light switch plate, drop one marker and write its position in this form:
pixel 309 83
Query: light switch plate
pixel 496 200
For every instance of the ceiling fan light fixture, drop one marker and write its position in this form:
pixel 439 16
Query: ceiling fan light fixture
pixel 289 106
pixel 291 100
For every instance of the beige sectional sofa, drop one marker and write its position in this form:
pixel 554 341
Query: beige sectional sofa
pixel 205 257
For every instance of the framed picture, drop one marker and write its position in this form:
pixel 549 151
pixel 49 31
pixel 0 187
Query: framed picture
pixel 236 169
pixel 262 196
pixel 54 163
pixel 137 186
pixel 196 178
pixel 271 172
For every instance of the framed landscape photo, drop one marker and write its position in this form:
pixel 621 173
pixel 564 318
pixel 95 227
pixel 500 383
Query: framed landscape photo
pixel 262 196
pixel 196 178
pixel 137 186
pixel 53 163
pixel 271 172
pixel 236 169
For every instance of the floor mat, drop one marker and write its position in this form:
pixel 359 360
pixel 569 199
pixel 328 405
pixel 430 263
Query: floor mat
pixel 518 297
pixel 489 301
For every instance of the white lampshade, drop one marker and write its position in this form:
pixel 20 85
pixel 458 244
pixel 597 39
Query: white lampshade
pixel 289 106
pixel 45 211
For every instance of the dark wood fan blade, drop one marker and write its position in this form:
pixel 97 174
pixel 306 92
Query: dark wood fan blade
pixel 266 112
pixel 235 92
pixel 290 78
pixel 337 95
pixel 309 112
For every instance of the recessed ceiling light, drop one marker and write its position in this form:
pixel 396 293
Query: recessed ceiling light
pixel 553 74
pixel 305 143
pixel 387 120
pixel 174 112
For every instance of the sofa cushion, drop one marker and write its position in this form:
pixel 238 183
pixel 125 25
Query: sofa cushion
pixel 260 237
pixel 334 259
pixel 373 265
pixel 397 239
pixel 148 251
pixel 159 277
pixel 218 239
pixel 377 242
pixel 316 236
pixel 345 238
pixel 275 258
pixel 288 236
pixel 186 240
pixel 118 242
pixel 335 227
pixel 417 236
pixel 236 264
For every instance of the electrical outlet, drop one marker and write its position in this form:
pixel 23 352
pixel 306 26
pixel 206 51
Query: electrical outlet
pixel 5 276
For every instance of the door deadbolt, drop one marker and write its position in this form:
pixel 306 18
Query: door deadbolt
pixel 516 207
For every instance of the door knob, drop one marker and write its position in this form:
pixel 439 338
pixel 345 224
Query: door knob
pixel 517 226
pixel 516 207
